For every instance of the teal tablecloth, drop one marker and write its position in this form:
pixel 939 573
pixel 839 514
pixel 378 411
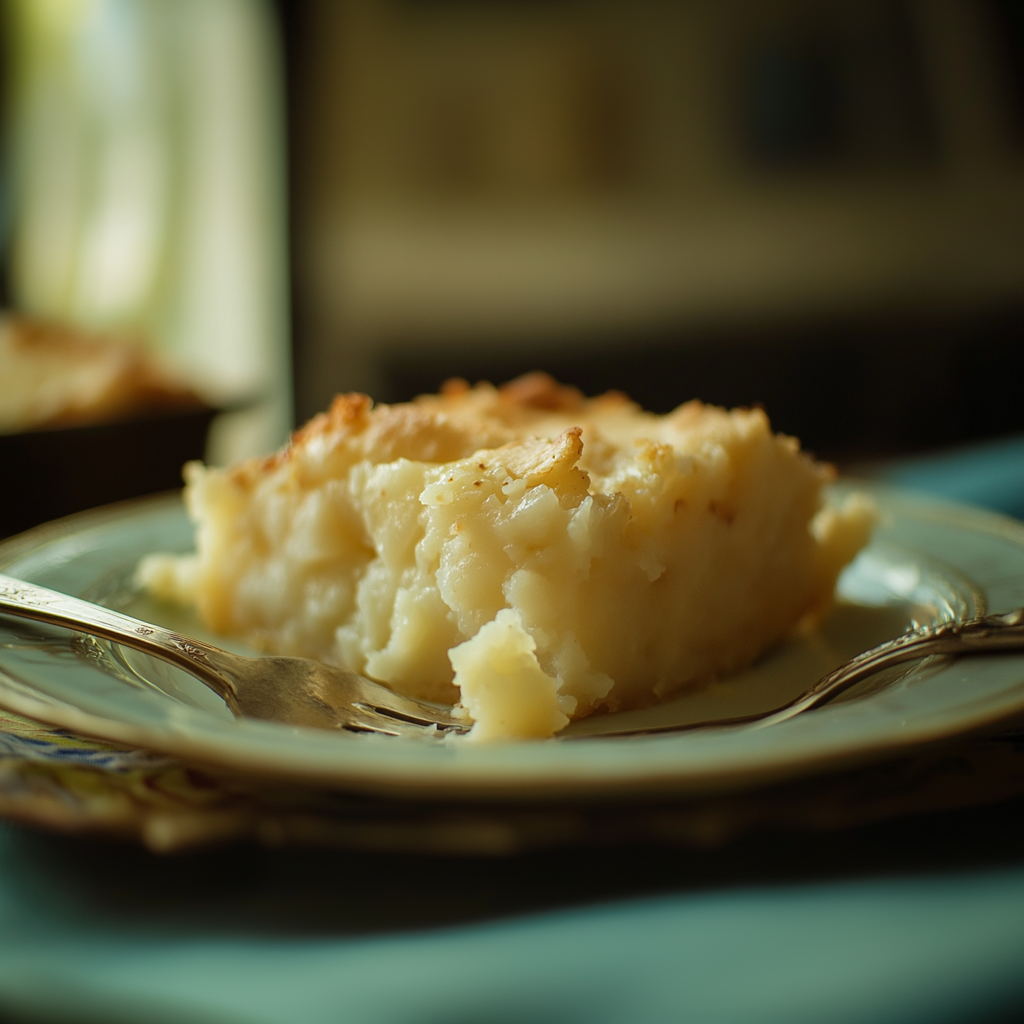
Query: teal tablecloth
pixel 916 921
pixel 989 473
pixel 90 932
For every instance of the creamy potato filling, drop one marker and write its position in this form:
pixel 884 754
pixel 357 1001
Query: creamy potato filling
pixel 531 554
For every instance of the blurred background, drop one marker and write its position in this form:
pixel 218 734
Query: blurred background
pixel 817 205
pixel 144 162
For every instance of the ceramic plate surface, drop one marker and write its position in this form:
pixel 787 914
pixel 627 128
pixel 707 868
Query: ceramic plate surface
pixel 929 561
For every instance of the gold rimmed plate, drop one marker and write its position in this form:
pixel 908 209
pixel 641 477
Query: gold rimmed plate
pixel 929 561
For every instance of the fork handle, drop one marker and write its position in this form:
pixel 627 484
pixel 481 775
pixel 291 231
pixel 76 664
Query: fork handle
pixel 206 662
pixel 991 633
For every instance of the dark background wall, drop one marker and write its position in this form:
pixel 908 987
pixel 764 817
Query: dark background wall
pixel 814 206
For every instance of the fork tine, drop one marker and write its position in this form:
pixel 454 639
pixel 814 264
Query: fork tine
pixel 378 698
pixel 360 717
pixel 411 715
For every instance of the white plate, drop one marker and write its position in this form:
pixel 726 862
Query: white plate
pixel 929 561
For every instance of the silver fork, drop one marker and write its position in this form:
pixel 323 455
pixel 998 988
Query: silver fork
pixel 298 691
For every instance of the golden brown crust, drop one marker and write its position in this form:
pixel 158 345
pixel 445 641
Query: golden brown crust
pixel 349 414
pixel 464 419
pixel 612 399
pixel 414 432
pixel 454 386
pixel 535 459
pixel 687 413
pixel 539 390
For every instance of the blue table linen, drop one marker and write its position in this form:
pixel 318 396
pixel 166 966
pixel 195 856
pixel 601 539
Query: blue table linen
pixel 946 948
pixel 989 474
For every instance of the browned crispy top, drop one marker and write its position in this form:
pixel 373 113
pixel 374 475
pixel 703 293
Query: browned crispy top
pixel 463 420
